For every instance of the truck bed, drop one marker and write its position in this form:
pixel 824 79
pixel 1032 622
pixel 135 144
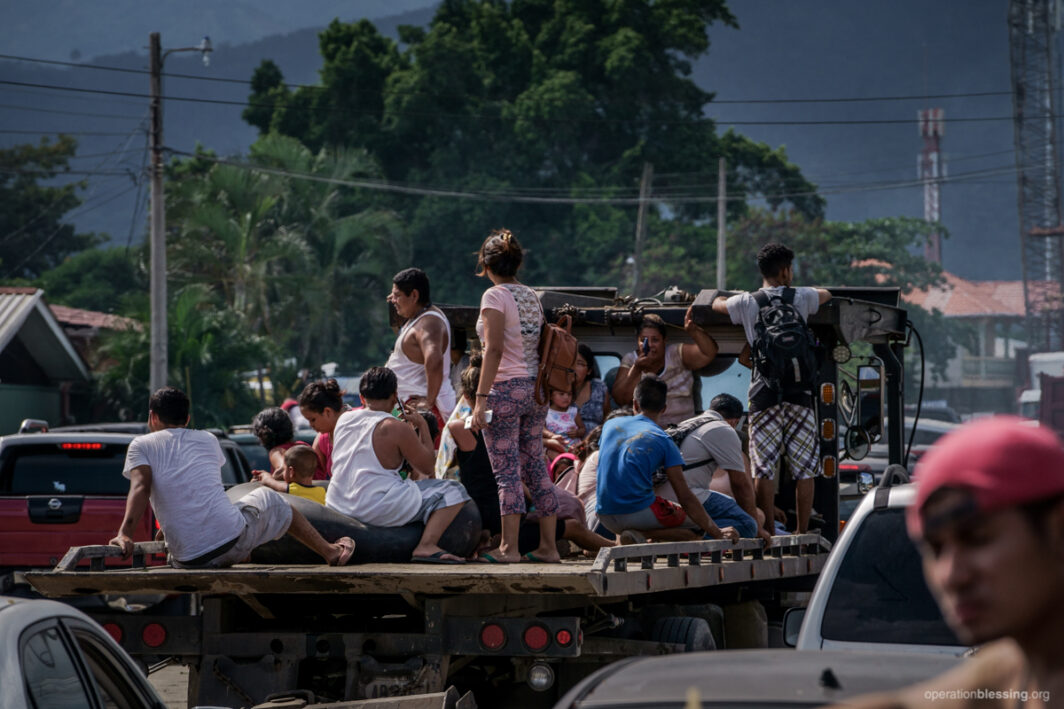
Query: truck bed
pixel 615 572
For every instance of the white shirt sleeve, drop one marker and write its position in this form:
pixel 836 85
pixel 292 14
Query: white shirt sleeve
pixel 135 457
pixel 736 305
pixel 812 299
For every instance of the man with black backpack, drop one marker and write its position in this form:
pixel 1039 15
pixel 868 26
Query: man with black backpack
pixel 784 354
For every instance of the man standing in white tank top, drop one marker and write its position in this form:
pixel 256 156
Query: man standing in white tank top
pixel 421 356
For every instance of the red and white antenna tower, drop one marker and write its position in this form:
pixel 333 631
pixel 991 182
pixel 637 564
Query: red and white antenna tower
pixel 930 169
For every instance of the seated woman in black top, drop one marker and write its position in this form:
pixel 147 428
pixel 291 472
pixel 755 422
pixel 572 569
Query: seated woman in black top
pixel 476 475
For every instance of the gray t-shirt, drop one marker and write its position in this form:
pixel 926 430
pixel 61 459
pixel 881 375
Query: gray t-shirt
pixel 716 440
pixel 743 310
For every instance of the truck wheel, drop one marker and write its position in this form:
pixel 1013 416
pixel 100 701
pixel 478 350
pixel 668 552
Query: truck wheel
pixel 692 633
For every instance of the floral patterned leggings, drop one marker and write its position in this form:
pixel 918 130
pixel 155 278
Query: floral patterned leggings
pixel 514 439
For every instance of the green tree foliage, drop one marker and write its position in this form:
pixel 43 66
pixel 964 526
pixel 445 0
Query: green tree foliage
pixel 304 262
pixel 209 348
pixel 33 237
pixel 110 280
pixel 558 99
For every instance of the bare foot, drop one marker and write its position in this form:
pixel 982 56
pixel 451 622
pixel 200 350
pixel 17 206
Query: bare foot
pixel 544 555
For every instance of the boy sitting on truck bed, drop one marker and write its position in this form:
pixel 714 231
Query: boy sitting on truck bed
pixel 297 478
pixel 179 471
pixel 631 450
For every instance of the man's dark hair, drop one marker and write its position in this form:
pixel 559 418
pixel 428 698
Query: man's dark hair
pixel 322 394
pixel 410 279
pixel 171 405
pixel 272 427
pixel 773 258
pixel 651 392
pixel 727 406
pixel 654 321
pixel 377 383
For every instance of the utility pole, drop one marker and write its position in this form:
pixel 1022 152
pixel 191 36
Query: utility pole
pixel 159 364
pixel 158 223
pixel 722 210
pixel 931 170
pixel 641 227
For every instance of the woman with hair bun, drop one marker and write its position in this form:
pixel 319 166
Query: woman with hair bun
pixel 508 327
pixel 322 402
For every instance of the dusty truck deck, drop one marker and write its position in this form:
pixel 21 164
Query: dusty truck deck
pixel 618 571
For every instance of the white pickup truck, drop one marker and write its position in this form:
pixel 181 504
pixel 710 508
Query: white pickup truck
pixel 871 594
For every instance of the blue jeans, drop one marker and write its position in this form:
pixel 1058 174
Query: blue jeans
pixel 725 512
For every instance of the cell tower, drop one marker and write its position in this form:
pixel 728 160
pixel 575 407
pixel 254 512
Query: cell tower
pixel 1033 25
pixel 931 170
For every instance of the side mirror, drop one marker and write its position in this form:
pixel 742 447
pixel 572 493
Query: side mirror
pixel 858 443
pixel 792 626
pixel 870 401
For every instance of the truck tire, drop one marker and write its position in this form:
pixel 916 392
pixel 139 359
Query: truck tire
pixel 692 633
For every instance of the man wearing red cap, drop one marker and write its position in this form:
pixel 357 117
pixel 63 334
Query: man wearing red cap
pixel 989 521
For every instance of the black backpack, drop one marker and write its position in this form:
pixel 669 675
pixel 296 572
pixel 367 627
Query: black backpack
pixel 678 432
pixel 785 351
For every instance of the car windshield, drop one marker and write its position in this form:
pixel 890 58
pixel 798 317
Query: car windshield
pixel 880 594
pixel 83 468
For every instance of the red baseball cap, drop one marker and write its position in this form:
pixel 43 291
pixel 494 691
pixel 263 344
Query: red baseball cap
pixel 288 403
pixel 1003 461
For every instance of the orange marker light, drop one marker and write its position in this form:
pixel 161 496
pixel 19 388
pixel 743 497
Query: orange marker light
pixel 827 393
pixel 827 429
pixel 829 466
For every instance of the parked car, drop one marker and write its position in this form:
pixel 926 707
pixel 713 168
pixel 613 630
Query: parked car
pixel 53 655
pixel 65 488
pixel 749 678
pixel 871 593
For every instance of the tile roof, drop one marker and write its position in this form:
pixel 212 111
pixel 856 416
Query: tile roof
pixel 76 317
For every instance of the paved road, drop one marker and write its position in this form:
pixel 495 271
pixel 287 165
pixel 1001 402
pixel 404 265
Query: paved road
pixel 171 682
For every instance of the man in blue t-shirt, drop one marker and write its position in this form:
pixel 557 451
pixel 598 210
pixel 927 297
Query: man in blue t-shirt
pixel 631 450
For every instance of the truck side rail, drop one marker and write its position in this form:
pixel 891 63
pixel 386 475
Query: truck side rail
pixel 96 554
pixel 641 568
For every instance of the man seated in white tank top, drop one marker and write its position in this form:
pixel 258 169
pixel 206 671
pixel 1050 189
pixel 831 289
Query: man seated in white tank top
pixel 421 356
pixel 369 447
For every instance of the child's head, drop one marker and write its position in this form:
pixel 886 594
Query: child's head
pixel 560 399
pixel 300 462
pixel 471 377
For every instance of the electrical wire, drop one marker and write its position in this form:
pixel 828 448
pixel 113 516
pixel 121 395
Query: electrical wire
pixel 482 117
pixel 247 82
pixel 79 114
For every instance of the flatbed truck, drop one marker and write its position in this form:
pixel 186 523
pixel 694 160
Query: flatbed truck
pixel 519 634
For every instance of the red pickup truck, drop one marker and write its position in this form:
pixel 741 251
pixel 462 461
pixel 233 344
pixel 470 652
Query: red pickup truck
pixel 65 488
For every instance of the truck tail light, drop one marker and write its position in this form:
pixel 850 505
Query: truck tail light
pixel 81 446
pixel 492 636
pixel 536 638
pixel 115 631
pixel 564 638
pixel 153 635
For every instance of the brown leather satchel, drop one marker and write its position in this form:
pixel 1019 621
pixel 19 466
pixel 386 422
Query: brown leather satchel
pixel 557 355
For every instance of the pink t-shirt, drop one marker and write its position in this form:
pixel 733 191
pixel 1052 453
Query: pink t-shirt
pixel 522 323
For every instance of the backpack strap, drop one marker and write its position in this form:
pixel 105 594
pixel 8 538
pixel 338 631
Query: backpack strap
pixel 761 298
pixel 788 295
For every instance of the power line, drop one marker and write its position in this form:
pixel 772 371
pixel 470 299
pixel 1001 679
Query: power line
pixel 247 82
pixel 510 196
pixel 59 132
pixel 224 102
pixel 69 113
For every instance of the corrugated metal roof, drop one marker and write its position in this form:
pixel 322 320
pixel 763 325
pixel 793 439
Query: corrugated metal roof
pixel 24 314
